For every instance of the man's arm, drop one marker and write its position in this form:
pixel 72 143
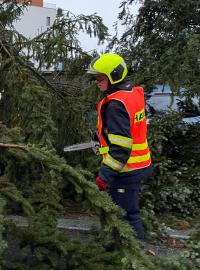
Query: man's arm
pixel 118 133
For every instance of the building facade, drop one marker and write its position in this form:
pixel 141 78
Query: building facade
pixel 37 17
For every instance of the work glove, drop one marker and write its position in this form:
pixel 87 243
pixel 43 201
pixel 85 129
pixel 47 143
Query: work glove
pixel 101 184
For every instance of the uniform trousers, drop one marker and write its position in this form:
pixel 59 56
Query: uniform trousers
pixel 125 192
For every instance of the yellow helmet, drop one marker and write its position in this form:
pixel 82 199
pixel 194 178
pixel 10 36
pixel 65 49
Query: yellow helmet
pixel 110 64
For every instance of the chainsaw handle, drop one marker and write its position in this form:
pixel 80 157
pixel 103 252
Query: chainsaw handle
pixel 94 141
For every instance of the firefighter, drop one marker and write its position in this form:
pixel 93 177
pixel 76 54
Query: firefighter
pixel 122 130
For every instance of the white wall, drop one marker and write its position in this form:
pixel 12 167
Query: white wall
pixel 34 20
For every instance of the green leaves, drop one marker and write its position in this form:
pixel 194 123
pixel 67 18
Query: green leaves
pixel 159 43
pixel 173 145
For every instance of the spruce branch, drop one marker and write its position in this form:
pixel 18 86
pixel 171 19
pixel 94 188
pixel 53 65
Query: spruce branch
pixel 38 75
pixel 5 49
pixel 34 71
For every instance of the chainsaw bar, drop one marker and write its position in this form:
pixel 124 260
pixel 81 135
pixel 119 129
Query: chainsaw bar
pixel 77 147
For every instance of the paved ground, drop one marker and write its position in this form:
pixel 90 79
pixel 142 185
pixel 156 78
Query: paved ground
pixel 79 228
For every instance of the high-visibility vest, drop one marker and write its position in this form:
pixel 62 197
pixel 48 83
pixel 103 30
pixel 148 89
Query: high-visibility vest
pixel 135 106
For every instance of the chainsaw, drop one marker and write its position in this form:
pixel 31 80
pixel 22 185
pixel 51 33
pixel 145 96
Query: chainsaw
pixel 94 144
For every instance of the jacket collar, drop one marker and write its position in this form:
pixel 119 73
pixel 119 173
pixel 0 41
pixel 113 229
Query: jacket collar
pixel 126 85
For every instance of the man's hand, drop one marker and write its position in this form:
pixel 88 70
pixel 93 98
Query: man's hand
pixel 101 184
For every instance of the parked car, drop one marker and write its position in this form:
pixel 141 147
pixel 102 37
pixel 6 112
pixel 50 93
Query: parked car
pixel 161 100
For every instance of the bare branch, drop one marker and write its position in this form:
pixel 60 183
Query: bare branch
pixel 8 145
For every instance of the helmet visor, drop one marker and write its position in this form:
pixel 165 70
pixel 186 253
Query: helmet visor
pixel 91 69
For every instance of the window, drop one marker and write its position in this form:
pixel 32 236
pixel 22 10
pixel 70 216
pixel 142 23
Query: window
pixel 48 21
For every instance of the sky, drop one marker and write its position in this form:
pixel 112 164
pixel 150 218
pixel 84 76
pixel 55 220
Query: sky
pixel 107 9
